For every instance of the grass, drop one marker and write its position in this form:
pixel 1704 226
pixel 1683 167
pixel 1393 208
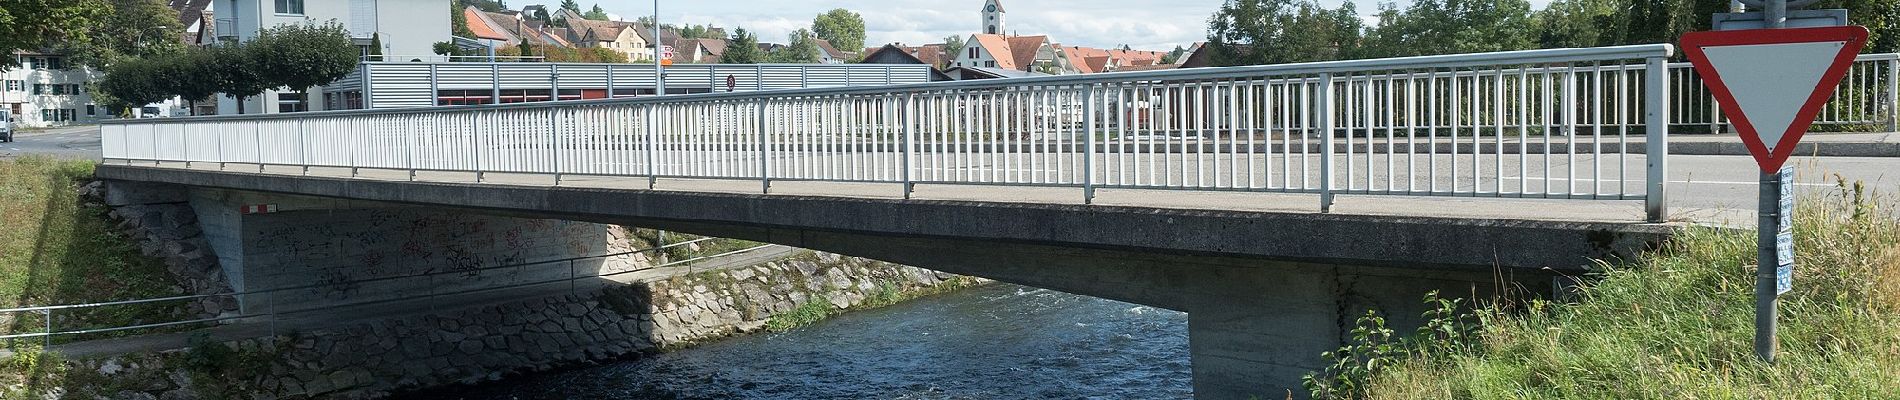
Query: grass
pixel 820 307
pixel 1679 324
pixel 56 248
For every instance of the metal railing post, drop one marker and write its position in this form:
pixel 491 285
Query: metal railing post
pixel 46 342
pixel 409 148
pixel 653 162
pixel 1323 97
pixel 1893 95
pixel 257 139
pixel 909 140
pixel 554 128
pixel 303 146
pixel 1656 133
pixel 765 152
pixel 1088 144
pixel 475 130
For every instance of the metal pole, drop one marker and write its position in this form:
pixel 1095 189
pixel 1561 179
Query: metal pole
pixel 1324 97
pixel 1656 137
pixel 1769 222
pixel 659 71
pixel 1768 228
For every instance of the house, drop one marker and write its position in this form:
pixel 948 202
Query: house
pixel 632 39
pixel 1020 53
pixel 829 54
pixel 701 51
pixel 896 54
pixel 407 29
pixel 197 18
pixel 47 91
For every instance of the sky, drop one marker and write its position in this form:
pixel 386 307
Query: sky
pixel 1143 24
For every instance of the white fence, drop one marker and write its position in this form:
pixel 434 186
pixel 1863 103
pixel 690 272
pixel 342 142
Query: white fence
pixel 1526 124
pixel 1867 96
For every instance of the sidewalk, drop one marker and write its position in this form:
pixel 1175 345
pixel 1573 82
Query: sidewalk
pixel 1812 144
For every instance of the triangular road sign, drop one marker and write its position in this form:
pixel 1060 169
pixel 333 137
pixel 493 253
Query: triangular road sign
pixel 1771 82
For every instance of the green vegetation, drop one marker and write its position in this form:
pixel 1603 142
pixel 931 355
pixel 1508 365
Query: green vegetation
pixel 1678 324
pixel 1246 32
pixel 55 248
pixel 744 49
pixel 843 28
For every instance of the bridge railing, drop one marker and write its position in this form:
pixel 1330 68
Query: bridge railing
pixel 1553 123
pixel 1868 97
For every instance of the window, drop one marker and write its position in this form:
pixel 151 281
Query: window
pixel 15 86
pixel 41 89
pixel 972 52
pixel 291 102
pixel 57 115
pixel 991 64
pixel 92 110
pixel 290 7
pixel 53 63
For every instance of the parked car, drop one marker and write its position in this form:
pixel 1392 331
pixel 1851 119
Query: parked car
pixel 6 127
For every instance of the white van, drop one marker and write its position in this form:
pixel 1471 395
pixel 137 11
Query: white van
pixel 6 127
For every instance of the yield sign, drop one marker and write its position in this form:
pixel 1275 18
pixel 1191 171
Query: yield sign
pixel 1771 82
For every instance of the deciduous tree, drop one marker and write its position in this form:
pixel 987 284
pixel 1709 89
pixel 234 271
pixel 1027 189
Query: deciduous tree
pixel 33 25
pixel 299 56
pixel 843 28
pixel 801 49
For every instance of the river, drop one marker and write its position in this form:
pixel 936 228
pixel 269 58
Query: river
pixel 996 341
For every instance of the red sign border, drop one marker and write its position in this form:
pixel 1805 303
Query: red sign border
pixel 1854 37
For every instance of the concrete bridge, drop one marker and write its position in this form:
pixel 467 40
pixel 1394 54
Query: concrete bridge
pixel 1197 188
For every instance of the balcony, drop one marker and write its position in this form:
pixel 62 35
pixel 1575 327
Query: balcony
pixel 226 28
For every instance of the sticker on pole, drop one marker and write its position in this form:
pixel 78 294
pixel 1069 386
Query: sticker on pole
pixel 1771 82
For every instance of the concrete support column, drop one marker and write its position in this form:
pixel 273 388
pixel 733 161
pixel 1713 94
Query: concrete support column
pixel 1253 332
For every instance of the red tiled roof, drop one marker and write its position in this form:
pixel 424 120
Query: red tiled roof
pixel 1024 49
pixel 478 25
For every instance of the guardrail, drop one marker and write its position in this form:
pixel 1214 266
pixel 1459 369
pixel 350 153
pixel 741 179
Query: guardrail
pixel 1869 95
pixel 1524 124
pixel 48 312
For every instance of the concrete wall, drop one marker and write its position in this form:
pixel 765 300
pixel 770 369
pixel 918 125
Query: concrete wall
pixel 361 252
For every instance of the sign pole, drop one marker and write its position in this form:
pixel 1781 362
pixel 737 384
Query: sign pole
pixel 1757 68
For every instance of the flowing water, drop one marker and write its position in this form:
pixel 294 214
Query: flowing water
pixel 996 341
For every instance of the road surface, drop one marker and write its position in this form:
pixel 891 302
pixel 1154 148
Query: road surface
pixel 70 142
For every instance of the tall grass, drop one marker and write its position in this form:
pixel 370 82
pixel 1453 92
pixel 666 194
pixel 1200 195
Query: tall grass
pixel 1680 323
pixel 56 248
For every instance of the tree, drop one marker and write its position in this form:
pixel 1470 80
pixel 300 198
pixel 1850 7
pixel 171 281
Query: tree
pixel 237 71
pixel 802 49
pixel 1173 57
pixel 133 29
pixel 701 32
pixel 1248 32
pixel 571 5
pixel 743 49
pixel 953 46
pixel 458 21
pixel 130 84
pixel 32 25
pixel 375 47
pixel 596 14
pixel 194 75
pixel 843 28
pixel 299 56
pixel 541 14
pixel 489 5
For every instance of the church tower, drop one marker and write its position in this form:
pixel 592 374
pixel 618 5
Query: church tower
pixel 993 17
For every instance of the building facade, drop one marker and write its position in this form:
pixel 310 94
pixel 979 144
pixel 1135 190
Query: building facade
pixel 44 90
pixel 407 29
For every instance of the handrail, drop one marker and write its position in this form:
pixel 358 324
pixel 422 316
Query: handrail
pixel 1319 67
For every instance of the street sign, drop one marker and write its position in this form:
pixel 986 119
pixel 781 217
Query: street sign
pixel 731 83
pixel 1784 279
pixel 1771 82
pixel 666 52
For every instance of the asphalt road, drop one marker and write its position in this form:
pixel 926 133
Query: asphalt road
pixel 71 142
